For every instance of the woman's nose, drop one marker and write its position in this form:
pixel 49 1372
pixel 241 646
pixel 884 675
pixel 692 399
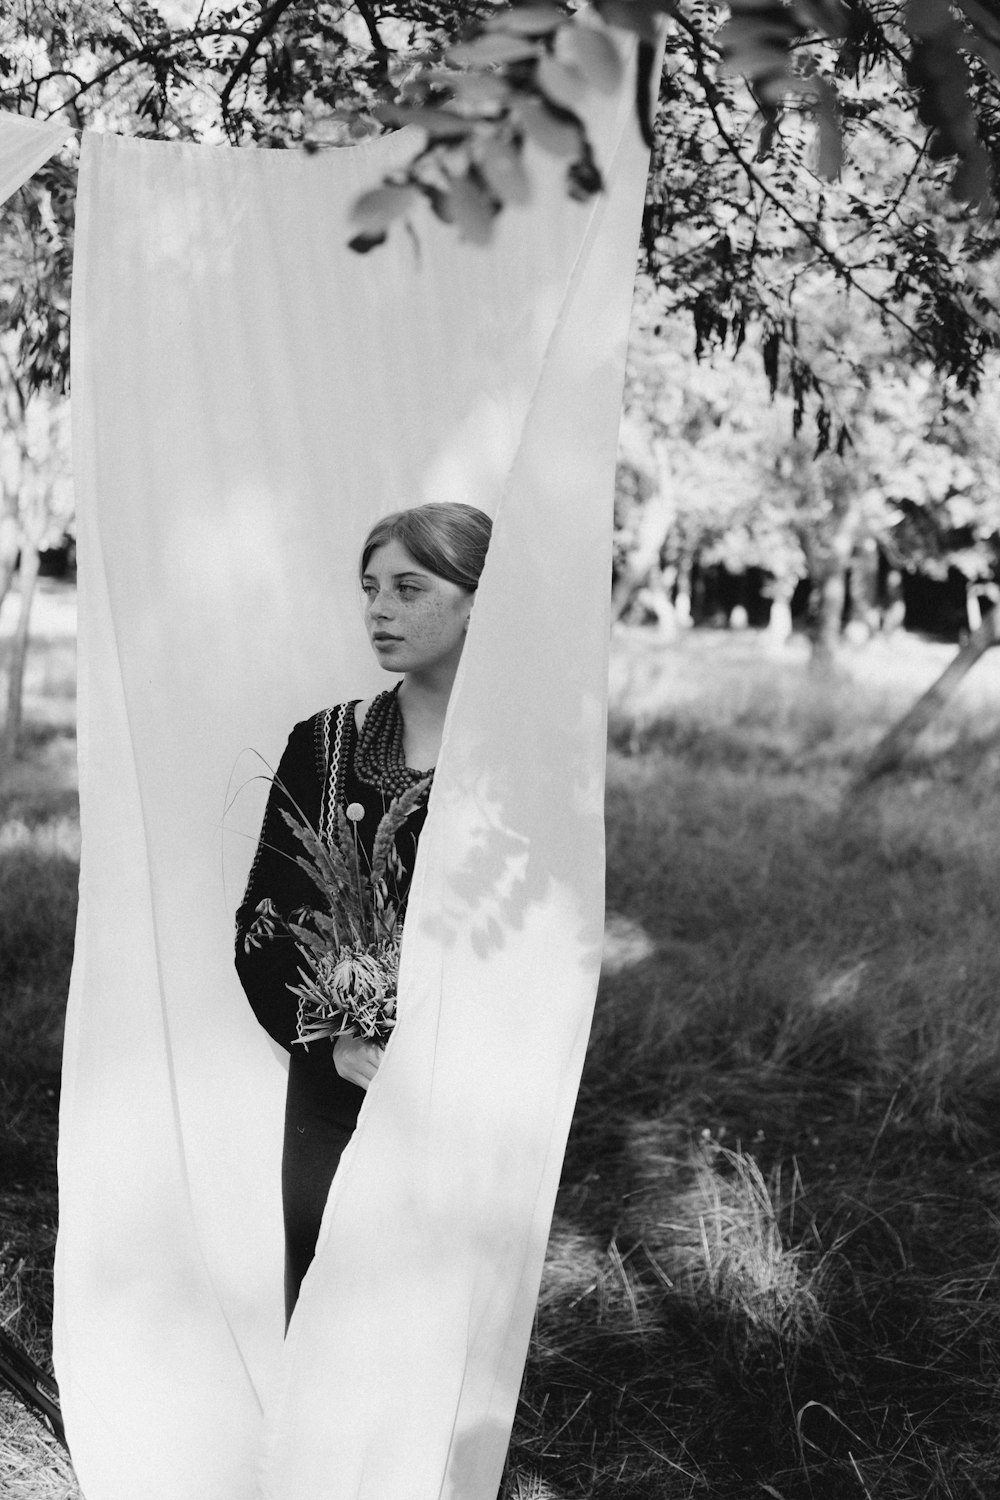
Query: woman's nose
pixel 379 606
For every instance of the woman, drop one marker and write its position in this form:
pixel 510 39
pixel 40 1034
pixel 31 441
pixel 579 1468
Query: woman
pixel 419 572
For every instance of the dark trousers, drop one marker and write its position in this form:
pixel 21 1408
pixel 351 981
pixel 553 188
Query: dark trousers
pixel 313 1144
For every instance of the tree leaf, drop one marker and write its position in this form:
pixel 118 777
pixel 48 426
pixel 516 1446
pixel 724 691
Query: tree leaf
pixel 439 199
pixel 503 170
pixel 940 74
pixel 583 178
pixel 756 41
pixel 374 211
pixel 642 17
pixel 988 51
pixel 495 47
pixel 591 53
pixel 558 136
pixel 973 181
pixel 440 124
pixel 526 20
pixel 473 210
pixel 985 22
pixel 362 243
pixel 476 89
pixel 647 89
pixel 564 86
pixel 831 18
pixel 830 157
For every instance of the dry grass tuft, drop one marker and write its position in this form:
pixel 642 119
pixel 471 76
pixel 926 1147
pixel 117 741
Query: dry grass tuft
pixel 32 1464
pixel 729 1256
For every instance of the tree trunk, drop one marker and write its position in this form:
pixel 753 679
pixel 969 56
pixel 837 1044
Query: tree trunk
pixel 683 613
pixel 826 622
pixel 19 649
pixel 10 544
pixel 657 597
pixel 643 562
pixel 828 546
pixel 895 745
pixel 697 594
pixel 894 610
pixel 865 616
pixel 779 621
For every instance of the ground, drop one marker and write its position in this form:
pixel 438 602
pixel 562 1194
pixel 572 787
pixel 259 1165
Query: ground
pixel 772 1264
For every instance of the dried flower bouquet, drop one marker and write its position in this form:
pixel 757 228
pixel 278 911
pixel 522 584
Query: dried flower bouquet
pixel 349 943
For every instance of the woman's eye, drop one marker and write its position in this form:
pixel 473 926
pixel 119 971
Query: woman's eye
pixel 406 590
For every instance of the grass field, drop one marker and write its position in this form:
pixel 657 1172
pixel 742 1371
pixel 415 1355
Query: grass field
pixel 39 857
pixel 773 1266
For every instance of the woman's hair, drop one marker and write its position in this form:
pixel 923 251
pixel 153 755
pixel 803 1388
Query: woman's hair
pixel 447 538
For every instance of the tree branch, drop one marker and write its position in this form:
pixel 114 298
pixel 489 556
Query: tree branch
pixel 149 51
pixel 268 22
pixel 141 54
pixel 891 749
pixel 382 52
pixel 838 266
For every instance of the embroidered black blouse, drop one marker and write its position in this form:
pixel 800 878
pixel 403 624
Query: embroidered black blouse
pixel 308 776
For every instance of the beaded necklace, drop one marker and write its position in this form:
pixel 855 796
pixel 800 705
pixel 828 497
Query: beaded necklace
pixel 378 759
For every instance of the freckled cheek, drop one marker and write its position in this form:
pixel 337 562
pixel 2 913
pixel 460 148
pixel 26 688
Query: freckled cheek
pixel 427 622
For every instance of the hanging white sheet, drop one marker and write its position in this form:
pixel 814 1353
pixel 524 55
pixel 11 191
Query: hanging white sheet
pixel 248 396
pixel 25 144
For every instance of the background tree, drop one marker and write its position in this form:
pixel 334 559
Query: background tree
pixel 710 468
pixel 36 507
pixel 692 464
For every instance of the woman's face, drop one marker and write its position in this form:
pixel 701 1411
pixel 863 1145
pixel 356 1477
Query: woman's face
pixel 416 621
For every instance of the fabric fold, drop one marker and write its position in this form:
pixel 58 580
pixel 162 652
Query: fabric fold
pixel 249 395
pixel 501 956
pixel 25 145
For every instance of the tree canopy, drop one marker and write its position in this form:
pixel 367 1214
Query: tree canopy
pixel 846 143
pixel 710 472
pixel 821 202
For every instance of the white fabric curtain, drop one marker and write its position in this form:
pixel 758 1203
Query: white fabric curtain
pixel 248 396
pixel 25 144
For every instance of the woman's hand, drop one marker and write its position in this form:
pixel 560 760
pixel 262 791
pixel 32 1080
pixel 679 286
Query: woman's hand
pixel 356 1060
